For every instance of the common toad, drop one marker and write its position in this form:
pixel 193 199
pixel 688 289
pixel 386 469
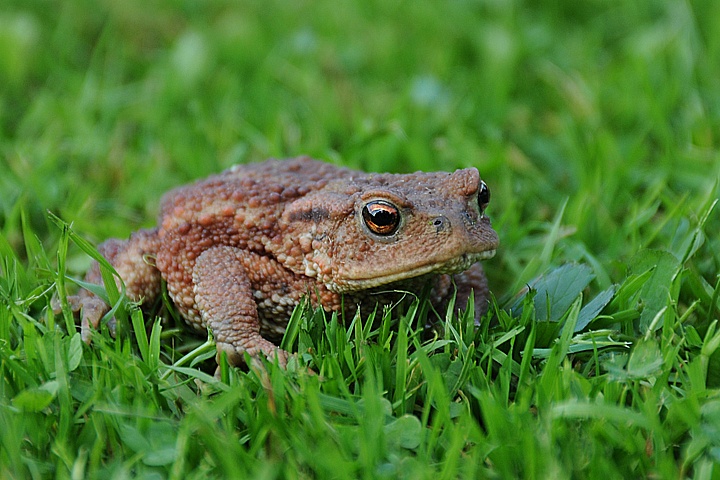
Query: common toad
pixel 239 250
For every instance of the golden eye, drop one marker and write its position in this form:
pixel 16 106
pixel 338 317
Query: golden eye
pixel 483 196
pixel 381 217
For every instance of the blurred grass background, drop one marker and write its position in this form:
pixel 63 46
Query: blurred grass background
pixel 596 125
pixel 611 106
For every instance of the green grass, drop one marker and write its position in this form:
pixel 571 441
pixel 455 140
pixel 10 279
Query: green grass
pixel 596 125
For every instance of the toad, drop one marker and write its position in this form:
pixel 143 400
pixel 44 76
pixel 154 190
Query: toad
pixel 239 250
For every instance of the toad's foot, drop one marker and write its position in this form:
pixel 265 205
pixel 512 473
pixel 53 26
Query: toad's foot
pixel 91 310
pixel 256 347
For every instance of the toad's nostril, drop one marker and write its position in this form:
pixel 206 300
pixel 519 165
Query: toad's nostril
pixel 441 223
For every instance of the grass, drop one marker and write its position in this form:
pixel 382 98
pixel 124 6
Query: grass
pixel 595 125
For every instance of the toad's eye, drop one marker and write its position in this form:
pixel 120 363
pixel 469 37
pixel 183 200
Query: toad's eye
pixel 381 217
pixel 483 196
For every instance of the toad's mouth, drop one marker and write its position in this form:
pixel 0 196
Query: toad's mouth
pixel 456 265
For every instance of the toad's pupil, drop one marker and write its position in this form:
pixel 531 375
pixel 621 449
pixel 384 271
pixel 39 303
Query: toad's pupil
pixel 381 217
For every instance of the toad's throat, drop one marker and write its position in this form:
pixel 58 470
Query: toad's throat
pixel 457 265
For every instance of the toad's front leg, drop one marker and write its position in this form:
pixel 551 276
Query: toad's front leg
pixel 473 281
pixel 225 299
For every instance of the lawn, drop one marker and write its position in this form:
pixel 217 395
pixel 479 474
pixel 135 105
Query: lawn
pixel 596 125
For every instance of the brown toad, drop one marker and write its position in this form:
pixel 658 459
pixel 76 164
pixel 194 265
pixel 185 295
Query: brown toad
pixel 239 250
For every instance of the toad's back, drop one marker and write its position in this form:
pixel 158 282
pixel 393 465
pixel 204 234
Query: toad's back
pixel 261 188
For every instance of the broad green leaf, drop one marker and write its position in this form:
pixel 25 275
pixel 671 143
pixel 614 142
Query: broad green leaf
pixel 655 293
pixel 36 399
pixel 75 351
pixel 645 360
pixel 405 431
pixel 156 445
pixel 134 438
pixel 556 291
pixel 594 307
